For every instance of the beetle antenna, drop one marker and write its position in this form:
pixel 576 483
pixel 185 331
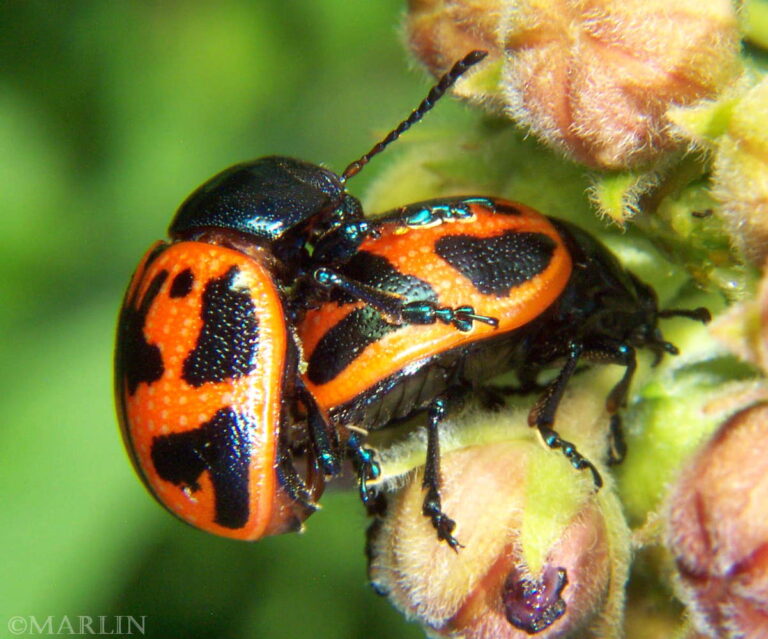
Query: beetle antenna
pixel 435 93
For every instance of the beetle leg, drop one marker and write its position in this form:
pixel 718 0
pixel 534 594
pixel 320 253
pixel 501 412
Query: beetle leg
pixel 434 214
pixel 432 506
pixel 542 414
pixel 325 441
pixel 624 355
pixel 617 445
pixel 700 314
pixel 302 493
pixel 460 317
pixel 396 309
pixel 367 469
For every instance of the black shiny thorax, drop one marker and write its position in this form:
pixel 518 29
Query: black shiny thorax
pixel 275 200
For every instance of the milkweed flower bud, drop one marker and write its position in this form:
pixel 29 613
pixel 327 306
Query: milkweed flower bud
pixel 718 529
pixel 543 554
pixel 733 128
pixel 741 173
pixel 443 31
pixel 593 79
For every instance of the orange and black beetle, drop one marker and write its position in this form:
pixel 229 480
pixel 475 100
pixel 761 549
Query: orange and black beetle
pixel 206 365
pixel 205 376
pixel 546 294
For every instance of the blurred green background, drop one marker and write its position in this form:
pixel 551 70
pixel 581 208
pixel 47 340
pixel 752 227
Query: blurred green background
pixel 110 114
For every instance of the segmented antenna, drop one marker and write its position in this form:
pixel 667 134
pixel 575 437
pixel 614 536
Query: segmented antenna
pixel 435 93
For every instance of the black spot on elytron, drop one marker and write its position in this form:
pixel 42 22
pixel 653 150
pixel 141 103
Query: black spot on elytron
pixel 344 342
pixel 181 286
pixel 496 265
pixel 138 360
pixel 221 447
pixel 229 339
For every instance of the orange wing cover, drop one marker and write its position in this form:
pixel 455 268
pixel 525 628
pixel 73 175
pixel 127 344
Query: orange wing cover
pixel 508 262
pixel 201 359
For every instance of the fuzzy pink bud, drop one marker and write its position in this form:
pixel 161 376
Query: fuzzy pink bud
pixel 593 78
pixel 718 530
pixel 487 589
